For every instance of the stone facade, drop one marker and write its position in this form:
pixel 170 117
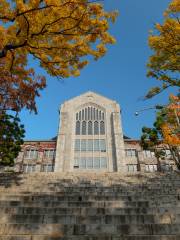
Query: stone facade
pixel 90 138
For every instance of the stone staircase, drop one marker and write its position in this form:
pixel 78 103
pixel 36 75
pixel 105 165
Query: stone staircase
pixel 90 206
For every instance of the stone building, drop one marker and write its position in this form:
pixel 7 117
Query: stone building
pixel 90 138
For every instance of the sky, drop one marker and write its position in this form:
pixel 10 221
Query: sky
pixel 120 75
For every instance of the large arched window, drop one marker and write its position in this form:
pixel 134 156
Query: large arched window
pixel 90 120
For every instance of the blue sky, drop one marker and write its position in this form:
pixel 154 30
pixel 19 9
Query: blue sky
pixel 119 75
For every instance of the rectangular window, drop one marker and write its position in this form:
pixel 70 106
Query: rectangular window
pixel 77 145
pixel 148 154
pixel 130 152
pixel 49 153
pixel 47 168
pixel 31 154
pixel 132 167
pixel 151 167
pixel 28 168
pixel 102 145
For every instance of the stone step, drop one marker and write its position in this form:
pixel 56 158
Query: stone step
pixel 90 211
pixel 87 197
pixel 95 229
pixel 167 218
pixel 97 204
pixel 90 237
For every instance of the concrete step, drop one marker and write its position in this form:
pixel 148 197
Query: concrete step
pixel 97 204
pixel 167 218
pixel 90 237
pixel 90 211
pixel 95 229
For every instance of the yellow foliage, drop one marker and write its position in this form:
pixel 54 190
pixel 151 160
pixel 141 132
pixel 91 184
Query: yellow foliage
pixel 169 136
pixel 59 33
pixel 164 64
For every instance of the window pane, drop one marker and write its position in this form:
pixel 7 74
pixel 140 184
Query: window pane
pixel 89 118
pixel 90 145
pixel 96 145
pixel 78 128
pixel 80 115
pixel 86 114
pixel 83 145
pixel 102 128
pixel 102 116
pixel 89 128
pixel 96 114
pixel 83 114
pixel 96 163
pixel 77 145
pixel 103 162
pixel 99 115
pixel 102 145
pixel 49 168
pixel 89 162
pixel 76 116
pixel 83 128
pixel 82 163
pixel 96 128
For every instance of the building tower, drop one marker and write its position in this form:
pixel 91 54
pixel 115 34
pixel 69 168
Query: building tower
pixel 90 136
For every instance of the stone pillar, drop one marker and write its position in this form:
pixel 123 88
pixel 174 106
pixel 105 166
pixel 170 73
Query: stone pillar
pixel 118 140
pixel 60 147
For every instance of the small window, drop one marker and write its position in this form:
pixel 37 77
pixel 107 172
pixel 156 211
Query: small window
pixel 132 168
pixel 130 152
pixel 49 153
pixel 76 163
pixel 28 168
pixel 151 167
pixel 148 154
pixel 31 154
pixel 47 168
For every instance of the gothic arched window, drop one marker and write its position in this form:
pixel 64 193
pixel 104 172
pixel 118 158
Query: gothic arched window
pixel 77 127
